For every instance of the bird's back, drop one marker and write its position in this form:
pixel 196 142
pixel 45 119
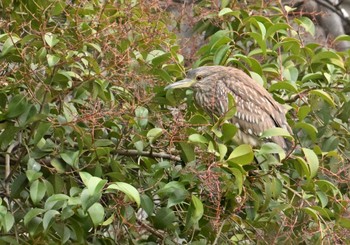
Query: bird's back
pixel 256 112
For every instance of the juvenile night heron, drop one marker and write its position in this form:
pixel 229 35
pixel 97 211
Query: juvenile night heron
pixel 256 110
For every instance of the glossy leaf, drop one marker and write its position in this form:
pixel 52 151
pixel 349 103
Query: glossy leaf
pixel 37 191
pixel 276 132
pixel 272 148
pixel 51 39
pixel 242 155
pixel 71 158
pixel 228 132
pixel 195 212
pixel 127 189
pixel 197 138
pixel 154 133
pixel 312 161
pixel 164 218
pixel 325 96
pixel 7 222
pixel 175 192
pixel 48 218
pixel 141 114
pixel 32 214
pixel 52 60
pixel 96 213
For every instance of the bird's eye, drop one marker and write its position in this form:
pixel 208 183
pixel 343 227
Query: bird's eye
pixel 198 77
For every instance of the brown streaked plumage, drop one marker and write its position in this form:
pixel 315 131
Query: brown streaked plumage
pixel 256 110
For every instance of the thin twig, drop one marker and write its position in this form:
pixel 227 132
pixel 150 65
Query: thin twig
pixel 152 230
pixel 8 164
pixel 148 154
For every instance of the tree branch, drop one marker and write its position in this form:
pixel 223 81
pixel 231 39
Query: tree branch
pixel 148 154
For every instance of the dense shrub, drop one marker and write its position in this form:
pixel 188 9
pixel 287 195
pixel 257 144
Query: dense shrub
pixel 95 151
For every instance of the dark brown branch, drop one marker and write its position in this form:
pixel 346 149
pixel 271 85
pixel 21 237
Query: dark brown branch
pixel 148 154
pixel 152 230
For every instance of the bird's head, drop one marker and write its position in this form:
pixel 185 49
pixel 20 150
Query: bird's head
pixel 197 77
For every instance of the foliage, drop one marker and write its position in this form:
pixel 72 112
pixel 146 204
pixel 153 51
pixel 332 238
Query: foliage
pixel 95 151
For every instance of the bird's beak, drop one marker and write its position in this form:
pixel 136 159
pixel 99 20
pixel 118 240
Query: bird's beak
pixel 185 83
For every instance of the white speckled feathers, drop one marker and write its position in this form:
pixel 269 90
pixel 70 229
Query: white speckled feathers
pixel 256 112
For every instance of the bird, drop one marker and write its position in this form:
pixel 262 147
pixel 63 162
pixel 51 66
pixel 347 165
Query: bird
pixel 256 110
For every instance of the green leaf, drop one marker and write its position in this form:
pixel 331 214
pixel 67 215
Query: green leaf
pixel 326 186
pixel 276 132
pixel 221 55
pixel 291 74
pixel 231 106
pixel 128 189
pixel 276 188
pixel 328 57
pixel 199 120
pixel 197 138
pixel 324 95
pixel 48 216
pixel 153 134
pixel 141 114
pixel 225 11
pixel 56 201
pixel 309 129
pixel 8 135
pixel 305 170
pixel 59 165
pixel 139 145
pixel 307 24
pixel 103 142
pixel 278 27
pixel 37 191
pixel 17 106
pixel 96 213
pixel 239 178
pixel 284 85
pixel 52 60
pixel 9 45
pixel 272 148
pixel 95 185
pixel 322 197
pixel 303 112
pixel 33 175
pixel 147 204
pixel 32 214
pixel 154 54
pixel 175 191
pixel 164 218
pixel 18 185
pixel 260 40
pixel 341 38
pixel 187 151
pixel 85 177
pixel 86 200
pixel 58 8
pixel 222 151
pixel 195 212
pixel 228 132
pixel 242 155
pixel 324 212
pixel 7 222
pixel 71 158
pixel 312 77
pixel 312 213
pixel 344 222
pixel 312 161
pixel 51 39
pixel 43 127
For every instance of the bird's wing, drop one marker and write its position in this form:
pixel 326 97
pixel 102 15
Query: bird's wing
pixel 257 111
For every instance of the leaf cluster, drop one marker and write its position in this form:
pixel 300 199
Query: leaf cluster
pixel 94 151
